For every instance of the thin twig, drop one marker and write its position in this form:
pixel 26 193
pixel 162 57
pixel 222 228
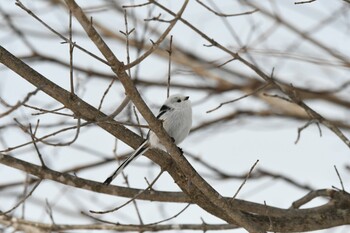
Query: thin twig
pixel 71 48
pixel 149 187
pixel 19 103
pixel 45 111
pixel 310 122
pixel 170 218
pixel 226 15
pixel 21 35
pixel 120 108
pixel 25 191
pixel 77 132
pixel 137 5
pixel 242 97
pixel 304 2
pixel 19 3
pixel 170 51
pixel 32 135
pixel 44 137
pixel 291 92
pixel 278 97
pixel 127 34
pixel 204 227
pixel 160 39
pixel 49 211
pixel 340 179
pixel 22 200
pixel 133 200
pixel 245 180
pixel 137 119
pixel 105 94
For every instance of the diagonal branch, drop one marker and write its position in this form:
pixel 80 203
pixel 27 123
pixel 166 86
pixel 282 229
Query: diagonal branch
pixel 74 181
pixel 181 171
pixel 212 196
pixel 156 44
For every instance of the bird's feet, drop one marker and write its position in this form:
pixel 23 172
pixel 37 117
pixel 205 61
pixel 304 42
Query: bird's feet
pixel 180 149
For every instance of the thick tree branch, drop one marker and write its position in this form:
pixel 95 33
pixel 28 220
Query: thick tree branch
pixel 87 112
pixel 335 213
pixel 213 197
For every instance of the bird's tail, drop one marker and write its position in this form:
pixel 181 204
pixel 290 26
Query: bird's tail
pixel 140 150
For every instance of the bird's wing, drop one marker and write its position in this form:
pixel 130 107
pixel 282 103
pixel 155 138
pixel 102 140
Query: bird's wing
pixel 164 109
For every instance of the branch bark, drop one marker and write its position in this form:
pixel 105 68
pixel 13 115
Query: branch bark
pixel 262 217
pixel 211 196
pixel 85 111
pixel 335 213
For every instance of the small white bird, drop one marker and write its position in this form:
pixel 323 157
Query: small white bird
pixel 176 115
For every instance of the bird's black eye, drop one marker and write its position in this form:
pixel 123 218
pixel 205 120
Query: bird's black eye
pixel 178 101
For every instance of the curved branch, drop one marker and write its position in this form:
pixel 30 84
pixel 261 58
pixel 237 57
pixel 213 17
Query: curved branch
pixel 335 213
pixel 74 181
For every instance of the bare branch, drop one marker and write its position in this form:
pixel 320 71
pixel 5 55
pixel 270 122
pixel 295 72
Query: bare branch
pixel 310 196
pixel 19 3
pixel 160 39
pixel 304 2
pixel 130 200
pixel 310 122
pixel 340 179
pixel 42 227
pixel 226 15
pixel 170 51
pixel 242 97
pixel 22 200
pixel 245 180
pixel 19 103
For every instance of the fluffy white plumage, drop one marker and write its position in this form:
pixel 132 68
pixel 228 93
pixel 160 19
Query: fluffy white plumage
pixel 176 114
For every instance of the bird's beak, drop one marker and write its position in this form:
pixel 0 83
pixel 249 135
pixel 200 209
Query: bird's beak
pixel 187 97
